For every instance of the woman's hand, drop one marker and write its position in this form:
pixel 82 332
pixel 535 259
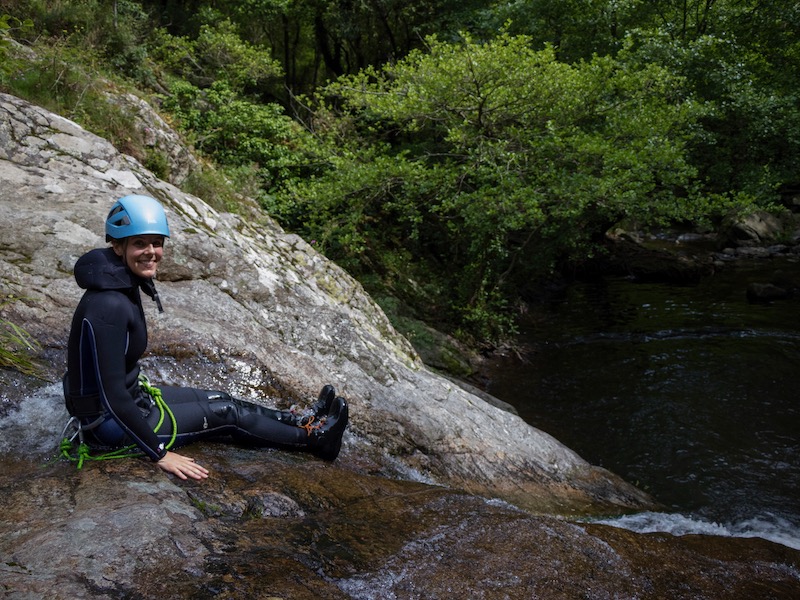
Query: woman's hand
pixel 182 466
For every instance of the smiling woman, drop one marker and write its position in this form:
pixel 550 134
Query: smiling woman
pixel 113 406
pixel 141 253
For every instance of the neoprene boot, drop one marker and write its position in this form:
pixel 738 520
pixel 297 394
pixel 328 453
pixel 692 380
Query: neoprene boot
pixel 325 435
pixel 301 417
pixel 323 404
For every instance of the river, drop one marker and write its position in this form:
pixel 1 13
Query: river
pixel 691 392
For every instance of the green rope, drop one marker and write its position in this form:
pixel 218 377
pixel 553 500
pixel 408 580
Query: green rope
pixel 83 452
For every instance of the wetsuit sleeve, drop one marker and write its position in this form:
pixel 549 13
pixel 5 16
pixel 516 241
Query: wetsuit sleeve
pixel 106 329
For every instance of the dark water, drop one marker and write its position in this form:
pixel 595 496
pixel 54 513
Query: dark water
pixel 691 392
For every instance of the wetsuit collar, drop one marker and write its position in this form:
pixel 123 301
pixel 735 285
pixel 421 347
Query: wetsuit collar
pixel 101 269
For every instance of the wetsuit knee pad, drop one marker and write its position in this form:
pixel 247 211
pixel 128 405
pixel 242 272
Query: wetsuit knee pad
pixel 174 395
pixel 240 412
pixel 224 411
pixel 197 411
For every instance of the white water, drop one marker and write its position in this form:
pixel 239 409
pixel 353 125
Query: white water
pixel 769 527
pixel 36 424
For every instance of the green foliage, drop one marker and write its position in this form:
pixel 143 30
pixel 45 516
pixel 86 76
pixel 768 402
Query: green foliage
pixel 10 27
pixel 447 173
pixel 223 188
pixel 503 162
pixel 54 80
pixel 217 54
pixel 61 75
pixel 114 30
pixel 318 40
pixel 750 138
pixel 238 132
pixel 739 57
pixel 9 63
pixel 576 29
pixel 61 80
pixel 17 347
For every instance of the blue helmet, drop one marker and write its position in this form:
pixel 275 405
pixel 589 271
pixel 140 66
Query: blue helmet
pixel 136 215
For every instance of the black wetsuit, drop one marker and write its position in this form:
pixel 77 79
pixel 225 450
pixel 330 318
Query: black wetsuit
pixel 106 341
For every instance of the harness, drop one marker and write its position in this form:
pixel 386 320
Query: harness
pixel 74 430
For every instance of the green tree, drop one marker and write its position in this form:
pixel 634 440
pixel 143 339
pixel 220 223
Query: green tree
pixel 237 132
pixel 739 57
pixel 216 54
pixel 576 29
pixel 489 163
pixel 318 40
pixel 742 58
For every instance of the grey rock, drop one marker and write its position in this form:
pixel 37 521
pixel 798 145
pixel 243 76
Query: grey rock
pixel 236 288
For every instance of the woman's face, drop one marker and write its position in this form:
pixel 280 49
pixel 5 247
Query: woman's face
pixel 141 253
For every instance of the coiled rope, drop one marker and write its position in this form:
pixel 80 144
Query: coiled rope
pixel 83 452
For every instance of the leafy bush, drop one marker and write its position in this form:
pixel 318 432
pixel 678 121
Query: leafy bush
pixel 114 30
pixel 9 63
pixel 217 54
pixel 237 132
pixel 223 188
pixel 55 79
pixel 489 163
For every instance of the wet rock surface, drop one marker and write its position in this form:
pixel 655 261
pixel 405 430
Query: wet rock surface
pixel 269 524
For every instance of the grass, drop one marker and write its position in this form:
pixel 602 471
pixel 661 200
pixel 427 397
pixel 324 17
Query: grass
pixel 17 348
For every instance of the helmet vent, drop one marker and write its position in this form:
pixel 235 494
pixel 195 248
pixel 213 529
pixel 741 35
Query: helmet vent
pixel 120 220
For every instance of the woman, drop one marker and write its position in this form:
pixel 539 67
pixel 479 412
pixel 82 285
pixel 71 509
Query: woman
pixel 115 407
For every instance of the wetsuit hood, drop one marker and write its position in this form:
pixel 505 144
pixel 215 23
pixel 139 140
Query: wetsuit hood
pixel 101 269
